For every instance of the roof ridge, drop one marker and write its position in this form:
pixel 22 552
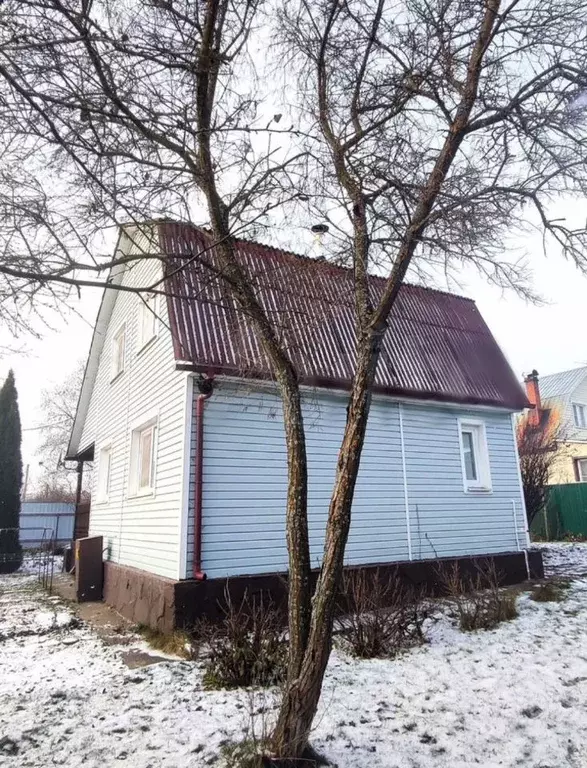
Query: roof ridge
pixel 309 259
pixel 562 373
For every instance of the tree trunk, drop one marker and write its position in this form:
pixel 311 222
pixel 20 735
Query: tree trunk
pixel 302 694
pixel 298 546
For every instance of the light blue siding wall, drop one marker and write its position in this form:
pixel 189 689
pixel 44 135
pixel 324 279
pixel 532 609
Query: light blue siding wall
pixel 245 476
pixel 445 521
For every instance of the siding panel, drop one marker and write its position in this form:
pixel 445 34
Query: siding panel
pixel 143 532
pixel 245 477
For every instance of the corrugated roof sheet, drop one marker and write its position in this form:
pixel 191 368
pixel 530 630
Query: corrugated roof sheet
pixel 437 345
pixel 564 383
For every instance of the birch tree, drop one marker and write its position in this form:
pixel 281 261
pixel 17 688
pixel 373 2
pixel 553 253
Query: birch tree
pixel 424 132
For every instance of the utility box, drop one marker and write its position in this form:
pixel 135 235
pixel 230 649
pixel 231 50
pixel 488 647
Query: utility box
pixel 89 570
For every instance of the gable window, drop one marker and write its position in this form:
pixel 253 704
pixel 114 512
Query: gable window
pixel 147 319
pixel 474 456
pixel 580 415
pixel 118 350
pixel 143 445
pixel 104 468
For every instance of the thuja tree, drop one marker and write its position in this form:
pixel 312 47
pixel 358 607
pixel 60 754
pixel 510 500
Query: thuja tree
pixel 425 131
pixel 10 477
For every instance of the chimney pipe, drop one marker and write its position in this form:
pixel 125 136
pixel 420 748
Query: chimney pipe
pixel 533 392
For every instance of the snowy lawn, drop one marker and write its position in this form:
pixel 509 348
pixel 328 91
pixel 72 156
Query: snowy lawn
pixel 516 696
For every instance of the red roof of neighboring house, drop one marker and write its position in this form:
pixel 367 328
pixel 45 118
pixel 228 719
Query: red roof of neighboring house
pixel 437 345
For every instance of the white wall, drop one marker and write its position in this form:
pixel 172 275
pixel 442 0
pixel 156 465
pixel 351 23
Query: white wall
pixel 144 532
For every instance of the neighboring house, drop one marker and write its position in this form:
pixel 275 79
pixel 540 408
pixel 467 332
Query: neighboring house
pixel 184 424
pixel 565 395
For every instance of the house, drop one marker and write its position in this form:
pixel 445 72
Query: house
pixel 563 397
pixel 181 416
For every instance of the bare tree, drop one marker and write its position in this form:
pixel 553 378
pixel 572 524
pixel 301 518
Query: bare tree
pixel 58 407
pixel 541 447
pixel 424 133
pixel 441 123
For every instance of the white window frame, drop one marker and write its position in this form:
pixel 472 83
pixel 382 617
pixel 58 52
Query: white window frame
pixel 583 411
pixel 481 455
pixel 148 306
pixel 582 479
pixel 149 424
pixel 104 473
pixel 117 370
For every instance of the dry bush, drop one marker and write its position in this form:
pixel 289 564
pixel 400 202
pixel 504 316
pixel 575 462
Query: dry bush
pixel 381 616
pixel 247 647
pixel 477 600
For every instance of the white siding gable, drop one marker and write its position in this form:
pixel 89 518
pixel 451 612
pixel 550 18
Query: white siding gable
pixel 143 531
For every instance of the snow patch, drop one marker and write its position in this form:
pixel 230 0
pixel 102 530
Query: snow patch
pixel 514 696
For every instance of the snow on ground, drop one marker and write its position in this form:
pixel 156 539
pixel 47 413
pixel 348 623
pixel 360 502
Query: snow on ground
pixel 516 696
pixel 566 559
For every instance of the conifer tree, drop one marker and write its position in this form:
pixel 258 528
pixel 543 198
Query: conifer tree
pixel 10 477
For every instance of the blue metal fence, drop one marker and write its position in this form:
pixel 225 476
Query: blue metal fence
pixel 40 521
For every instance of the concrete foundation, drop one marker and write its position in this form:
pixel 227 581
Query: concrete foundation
pixel 140 596
pixel 165 604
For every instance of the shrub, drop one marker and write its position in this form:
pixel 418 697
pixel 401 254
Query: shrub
pixel 247 647
pixel 549 592
pixel 477 600
pixel 381 617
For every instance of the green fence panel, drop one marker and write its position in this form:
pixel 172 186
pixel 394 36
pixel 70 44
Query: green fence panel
pixel 565 513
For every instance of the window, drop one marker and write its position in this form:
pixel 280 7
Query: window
pixel 142 480
pixel 118 344
pixel 579 415
pixel 474 456
pixel 147 319
pixel 104 466
pixel 581 465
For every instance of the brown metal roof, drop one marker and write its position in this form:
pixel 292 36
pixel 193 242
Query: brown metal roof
pixel 437 345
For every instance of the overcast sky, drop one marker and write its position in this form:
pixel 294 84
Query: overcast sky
pixel 549 338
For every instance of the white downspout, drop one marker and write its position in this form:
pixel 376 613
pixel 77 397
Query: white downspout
pixel 516 525
pixel 522 499
pixel 405 473
pixel 520 548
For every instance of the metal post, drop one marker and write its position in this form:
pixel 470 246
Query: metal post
pixel 78 496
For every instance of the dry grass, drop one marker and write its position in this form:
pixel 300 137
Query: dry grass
pixel 549 592
pixel 175 643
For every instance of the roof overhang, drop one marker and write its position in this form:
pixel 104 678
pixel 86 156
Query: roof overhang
pixel 341 385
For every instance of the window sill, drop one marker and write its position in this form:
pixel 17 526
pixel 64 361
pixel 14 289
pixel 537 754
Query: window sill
pixel 100 502
pixel 147 343
pixel 479 491
pixel 144 493
pixel 118 375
